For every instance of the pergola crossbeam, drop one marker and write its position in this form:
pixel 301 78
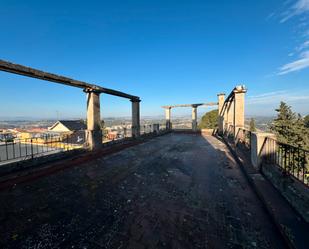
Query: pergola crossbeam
pixel 34 73
pixel 191 105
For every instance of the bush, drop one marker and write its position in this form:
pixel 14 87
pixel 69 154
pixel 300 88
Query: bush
pixel 209 120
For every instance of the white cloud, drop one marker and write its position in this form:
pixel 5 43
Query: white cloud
pixel 304 45
pixel 277 96
pixel 300 7
pixel 301 63
pixel 266 103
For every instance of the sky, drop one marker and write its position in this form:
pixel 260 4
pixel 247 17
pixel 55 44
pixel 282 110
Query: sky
pixel 166 52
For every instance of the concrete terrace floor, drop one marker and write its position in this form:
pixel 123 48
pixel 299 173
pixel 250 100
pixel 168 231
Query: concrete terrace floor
pixel 174 191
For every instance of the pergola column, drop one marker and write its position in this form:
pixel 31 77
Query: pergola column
pixel 135 118
pixel 221 113
pixel 93 132
pixel 194 117
pixel 229 115
pixel 168 118
pixel 239 108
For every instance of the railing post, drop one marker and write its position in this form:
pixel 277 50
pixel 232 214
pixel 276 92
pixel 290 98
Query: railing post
pixel 135 117
pixel 261 147
pixel 221 113
pixel 31 147
pixel 93 133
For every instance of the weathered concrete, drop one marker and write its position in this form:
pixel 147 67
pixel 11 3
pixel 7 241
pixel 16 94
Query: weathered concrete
pixel 135 118
pixel 45 76
pixel 258 141
pixel 156 128
pixel 239 108
pixel 168 118
pixel 93 132
pixel 221 113
pixel 176 191
pixel 229 114
pixel 190 105
pixel 294 191
pixel 291 224
pixel 194 118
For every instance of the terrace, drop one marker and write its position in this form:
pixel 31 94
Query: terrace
pixel 165 188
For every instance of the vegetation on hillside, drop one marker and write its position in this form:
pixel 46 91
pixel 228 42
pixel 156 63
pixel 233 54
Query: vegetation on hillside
pixel 290 127
pixel 209 120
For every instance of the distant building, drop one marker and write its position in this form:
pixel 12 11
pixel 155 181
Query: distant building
pixel 71 131
pixel 68 126
pixel 112 135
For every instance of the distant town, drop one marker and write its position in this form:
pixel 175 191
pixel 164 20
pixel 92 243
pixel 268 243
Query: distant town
pixel 113 128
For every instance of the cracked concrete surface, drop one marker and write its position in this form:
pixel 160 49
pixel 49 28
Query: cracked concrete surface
pixel 175 191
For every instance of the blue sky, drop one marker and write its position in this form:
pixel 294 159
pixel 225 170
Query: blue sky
pixel 166 52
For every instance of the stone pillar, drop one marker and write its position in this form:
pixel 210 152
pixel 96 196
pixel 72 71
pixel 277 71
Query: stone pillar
pixel 135 118
pixel 239 108
pixel 194 117
pixel 221 113
pixel 262 147
pixel 93 132
pixel 229 115
pixel 168 118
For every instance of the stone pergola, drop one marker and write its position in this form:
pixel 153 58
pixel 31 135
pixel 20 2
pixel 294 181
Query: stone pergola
pixel 93 133
pixel 194 113
pixel 231 111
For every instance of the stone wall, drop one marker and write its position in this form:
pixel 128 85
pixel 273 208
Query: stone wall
pixel 294 191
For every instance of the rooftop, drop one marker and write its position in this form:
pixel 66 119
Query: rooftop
pixel 173 191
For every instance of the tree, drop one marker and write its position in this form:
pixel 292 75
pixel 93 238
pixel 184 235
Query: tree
pixel 209 120
pixel 252 125
pixel 306 121
pixel 290 127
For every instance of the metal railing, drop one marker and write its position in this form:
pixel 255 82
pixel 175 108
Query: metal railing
pixel 146 129
pixel 28 148
pixel 292 160
pixel 123 133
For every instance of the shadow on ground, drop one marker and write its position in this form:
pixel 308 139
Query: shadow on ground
pixel 175 191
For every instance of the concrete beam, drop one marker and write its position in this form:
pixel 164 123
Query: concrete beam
pixel 93 132
pixel 190 105
pixel 38 74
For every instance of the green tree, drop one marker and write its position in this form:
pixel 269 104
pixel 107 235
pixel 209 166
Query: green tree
pixel 290 127
pixel 209 120
pixel 252 125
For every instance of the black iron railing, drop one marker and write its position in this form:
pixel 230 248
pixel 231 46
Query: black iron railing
pixel 292 160
pixel 146 129
pixel 28 148
pixel 123 133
